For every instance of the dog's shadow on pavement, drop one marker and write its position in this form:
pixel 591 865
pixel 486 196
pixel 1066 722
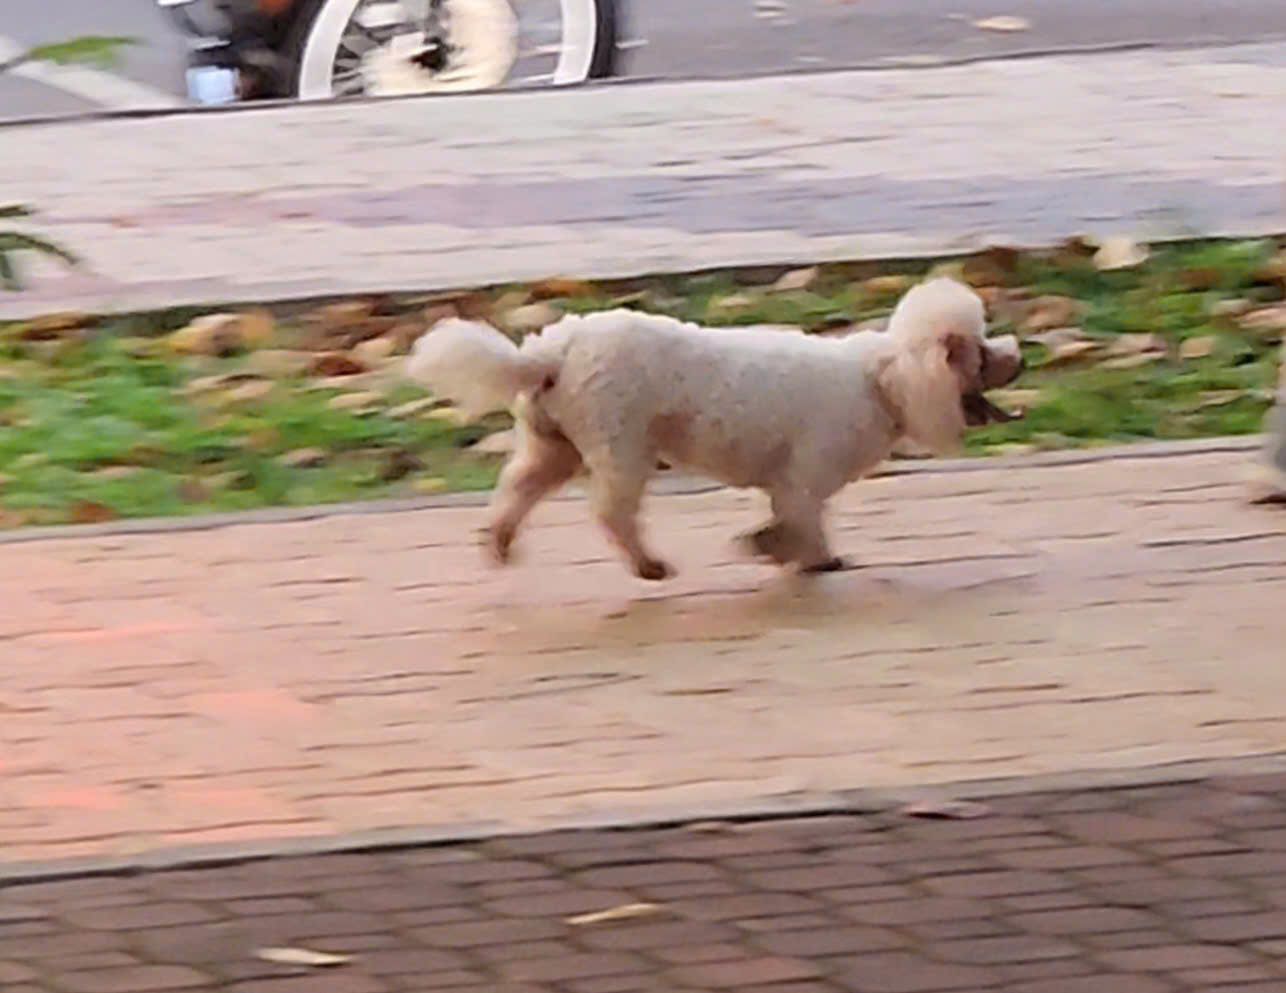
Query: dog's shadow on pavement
pixel 850 602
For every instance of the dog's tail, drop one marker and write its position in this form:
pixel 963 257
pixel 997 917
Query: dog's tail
pixel 937 307
pixel 475 366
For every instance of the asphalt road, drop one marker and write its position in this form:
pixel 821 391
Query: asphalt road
pixel 665 38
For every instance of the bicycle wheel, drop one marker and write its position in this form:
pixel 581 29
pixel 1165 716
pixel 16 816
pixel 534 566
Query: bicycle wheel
pixel 381 48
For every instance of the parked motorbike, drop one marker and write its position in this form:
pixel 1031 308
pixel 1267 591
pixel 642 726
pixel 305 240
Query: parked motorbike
pixel 317 49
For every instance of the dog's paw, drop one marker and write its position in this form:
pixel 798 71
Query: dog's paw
pixel 497 544
pixel 833 564
pixel 653 570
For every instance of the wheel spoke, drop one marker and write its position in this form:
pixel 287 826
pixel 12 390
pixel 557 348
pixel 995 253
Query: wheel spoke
pixel 346 50
pixel 375 38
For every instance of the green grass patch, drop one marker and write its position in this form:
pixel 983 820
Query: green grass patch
pixel 100 419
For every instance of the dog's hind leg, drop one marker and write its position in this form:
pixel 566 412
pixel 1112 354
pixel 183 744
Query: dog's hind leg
pixel 541 464
pixel 616 494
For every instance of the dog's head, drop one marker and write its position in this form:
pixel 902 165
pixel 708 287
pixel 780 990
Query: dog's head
pixel 942 363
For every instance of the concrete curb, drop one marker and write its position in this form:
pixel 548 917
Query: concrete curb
pixel 668 485
pixel 307 293
pixel 1070 51
pixel 770 807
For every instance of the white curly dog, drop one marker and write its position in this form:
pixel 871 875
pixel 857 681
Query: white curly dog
pixel 796 415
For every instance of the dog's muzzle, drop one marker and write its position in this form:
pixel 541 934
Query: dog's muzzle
pixel 1001 362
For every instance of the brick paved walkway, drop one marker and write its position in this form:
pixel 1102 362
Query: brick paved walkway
pixel 367 671
pixel 628 179
pixel 1172 888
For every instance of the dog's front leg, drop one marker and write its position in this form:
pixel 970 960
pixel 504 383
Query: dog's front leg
pixel 800 533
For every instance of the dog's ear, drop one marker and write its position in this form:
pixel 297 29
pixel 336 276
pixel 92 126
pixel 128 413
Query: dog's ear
pixel 924 385
pixel 964 357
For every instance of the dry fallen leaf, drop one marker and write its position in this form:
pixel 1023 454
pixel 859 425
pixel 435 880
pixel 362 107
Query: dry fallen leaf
pixel 1004 256
pixel 1133 361
pixel 336 364
pixel 277 362
pixel 374 350
pixel 1000 302
pixel 262 439
pixel 13 519
pixel 248 392
pixel 301 956
pixel 233 479
pixel 223 334
pixel 1274 270
pixel 91 512
pixel 1073 249
pixel 208 384
pixel 733 301
pixel 888 285
pixel 344 324
pixel 406 333
pixel 1054 337
pixel 193 490
pixel 529 318
pixel 510 300
pixel 1066 345
pixel 1119 253
pixel 1016 399
pixel 112 472
pixel 1200 277
pixel 990 267
pixel 1219 398
pixel 52 327
pixel 1268 322
pixel 1234 307
pixel 356 403
pixel 1045 313
pixel 343 314
pixel 413 407
pixel 1069 351
pixel 1197 348
pixel 303 458
pixel 561 286
pixel 796 279
pixel 1137 344
pixel 625 912
pixel 256 327
pixel 1012 448
pixel 399 464
pixel 1003 22
pixel 213 334
pixel 451 415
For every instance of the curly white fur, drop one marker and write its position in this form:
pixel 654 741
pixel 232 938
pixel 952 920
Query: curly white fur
pixel 796 415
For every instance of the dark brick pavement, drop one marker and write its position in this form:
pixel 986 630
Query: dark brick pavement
pixel 1150 889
